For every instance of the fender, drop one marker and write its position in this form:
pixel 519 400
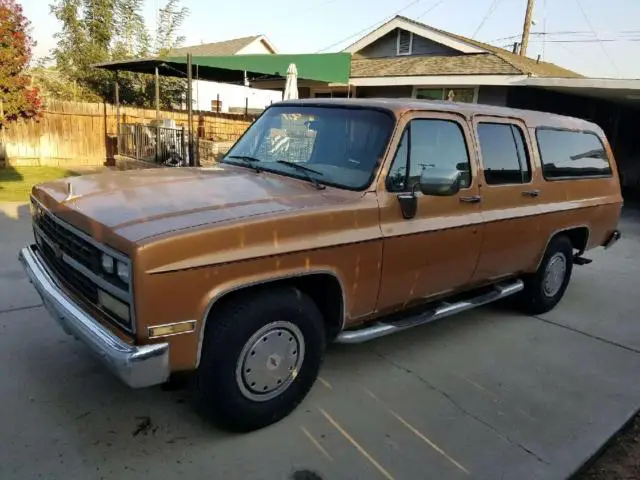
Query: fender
pixel 220 291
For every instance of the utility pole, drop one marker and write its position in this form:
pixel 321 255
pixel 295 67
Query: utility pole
pixel 526 28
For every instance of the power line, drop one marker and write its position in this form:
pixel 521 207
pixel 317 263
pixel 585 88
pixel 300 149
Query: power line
pixel 604 50
pixel 432 7
pixel 593 40
pixel 565 32
pixel 374 25
pixel 490 11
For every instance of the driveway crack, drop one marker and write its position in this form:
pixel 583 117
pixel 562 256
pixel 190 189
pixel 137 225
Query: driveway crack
pixel 586 334
pixel 460 408
pixel 18 309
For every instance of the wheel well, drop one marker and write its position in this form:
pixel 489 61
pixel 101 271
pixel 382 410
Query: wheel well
pixel 323 288
pixel 579 236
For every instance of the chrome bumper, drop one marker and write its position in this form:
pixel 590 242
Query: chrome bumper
pixel 141 366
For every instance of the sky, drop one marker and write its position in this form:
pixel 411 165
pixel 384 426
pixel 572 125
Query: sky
pixel 294 26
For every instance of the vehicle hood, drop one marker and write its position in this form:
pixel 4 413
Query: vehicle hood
pixel 139 204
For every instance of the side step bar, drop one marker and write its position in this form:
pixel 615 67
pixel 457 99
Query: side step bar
pixel 441 310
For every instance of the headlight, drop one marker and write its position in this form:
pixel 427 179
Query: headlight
pixel 107 263
pixel 123 271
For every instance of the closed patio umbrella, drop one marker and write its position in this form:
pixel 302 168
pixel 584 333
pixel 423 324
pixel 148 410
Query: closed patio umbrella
pixel 291 86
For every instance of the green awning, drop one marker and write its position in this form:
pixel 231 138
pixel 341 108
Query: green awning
pixel 321 67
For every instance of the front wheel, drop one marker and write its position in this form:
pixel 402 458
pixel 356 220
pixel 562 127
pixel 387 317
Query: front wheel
pixel 544 289
pixel 261 356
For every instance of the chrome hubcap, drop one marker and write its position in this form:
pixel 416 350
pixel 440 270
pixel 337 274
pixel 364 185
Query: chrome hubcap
pixel 270 361
pixel 554 274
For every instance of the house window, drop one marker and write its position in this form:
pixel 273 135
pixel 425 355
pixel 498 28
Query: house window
pixel 404 43
pixel 465 95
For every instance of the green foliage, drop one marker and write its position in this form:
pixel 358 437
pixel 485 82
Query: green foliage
pixel 95 31
pixel 16 182
pixel 18 99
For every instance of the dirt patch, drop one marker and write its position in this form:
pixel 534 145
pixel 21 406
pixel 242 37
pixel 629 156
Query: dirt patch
pixel 621 460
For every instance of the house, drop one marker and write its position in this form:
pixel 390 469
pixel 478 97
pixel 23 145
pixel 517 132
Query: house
pixel 406 58
pixel 213 96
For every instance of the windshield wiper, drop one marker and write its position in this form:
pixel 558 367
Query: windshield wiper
pixel 305 170
pixel 249 160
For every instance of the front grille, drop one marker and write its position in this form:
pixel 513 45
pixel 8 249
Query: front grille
pixel 66 252
pixel 80 284
pixel 70 243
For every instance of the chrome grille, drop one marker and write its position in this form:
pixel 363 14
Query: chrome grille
pixel 75 259
pixel 71 244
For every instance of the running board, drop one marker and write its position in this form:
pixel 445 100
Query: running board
pixel 440 310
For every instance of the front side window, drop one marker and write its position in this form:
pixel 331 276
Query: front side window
pixel 335 145
pixel 504 156
pixel 572 154
pixel 425 144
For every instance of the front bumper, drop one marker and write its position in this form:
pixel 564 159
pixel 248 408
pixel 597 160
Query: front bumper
pixel 137 366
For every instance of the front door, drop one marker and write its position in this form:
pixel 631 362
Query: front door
pixel 509 194
pixel 437 250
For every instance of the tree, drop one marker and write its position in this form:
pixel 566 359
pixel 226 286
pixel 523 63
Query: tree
pixel 17 98
pixel 95 31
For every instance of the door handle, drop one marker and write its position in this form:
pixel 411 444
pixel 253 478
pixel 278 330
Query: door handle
pixel 471 199
pixel 531 193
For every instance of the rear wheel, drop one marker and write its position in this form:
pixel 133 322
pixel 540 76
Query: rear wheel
pixel 261 355
pixel 544 289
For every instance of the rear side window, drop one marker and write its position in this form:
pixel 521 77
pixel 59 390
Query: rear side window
pixel 570 154
pixel 504 156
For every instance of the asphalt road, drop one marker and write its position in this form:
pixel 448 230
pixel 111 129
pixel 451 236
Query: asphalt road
pixel 489 394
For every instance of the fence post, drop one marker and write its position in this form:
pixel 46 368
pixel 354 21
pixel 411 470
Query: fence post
pixel 138 136
pixel 157 143
pixel 183 147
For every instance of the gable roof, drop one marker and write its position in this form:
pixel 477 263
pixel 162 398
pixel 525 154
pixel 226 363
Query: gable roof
pixel 417 28
pixel 224 48
pixel 476 58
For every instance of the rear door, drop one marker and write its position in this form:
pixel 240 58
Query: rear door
pixel 511 238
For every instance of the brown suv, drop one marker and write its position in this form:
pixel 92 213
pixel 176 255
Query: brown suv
pixel 327 221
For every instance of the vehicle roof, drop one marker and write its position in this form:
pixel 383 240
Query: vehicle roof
pixel 399 106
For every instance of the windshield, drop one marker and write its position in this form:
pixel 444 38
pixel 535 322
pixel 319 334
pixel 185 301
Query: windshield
pixel 339 146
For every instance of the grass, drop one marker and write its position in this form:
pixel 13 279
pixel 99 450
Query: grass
pixel 16 182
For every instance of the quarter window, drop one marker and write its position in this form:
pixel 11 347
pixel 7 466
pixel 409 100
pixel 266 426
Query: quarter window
pixel 428 144
pixel 572 154
pixel 504 155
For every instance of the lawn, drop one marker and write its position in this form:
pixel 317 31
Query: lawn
pixel 16 182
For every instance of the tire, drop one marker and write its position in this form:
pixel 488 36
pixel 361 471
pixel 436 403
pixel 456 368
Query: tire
pixel 542 292
pixel 238 364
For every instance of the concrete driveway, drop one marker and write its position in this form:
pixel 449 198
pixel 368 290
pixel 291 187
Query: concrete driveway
pixel 489 394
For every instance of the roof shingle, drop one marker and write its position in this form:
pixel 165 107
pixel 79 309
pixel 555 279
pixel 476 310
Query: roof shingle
pixel 225 48
pixel 471 64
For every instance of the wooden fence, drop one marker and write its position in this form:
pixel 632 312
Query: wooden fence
pixel 73 134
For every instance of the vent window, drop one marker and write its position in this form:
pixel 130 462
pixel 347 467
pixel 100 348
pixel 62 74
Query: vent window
pixel 405 42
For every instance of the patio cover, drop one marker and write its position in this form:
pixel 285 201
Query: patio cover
pixel 321 67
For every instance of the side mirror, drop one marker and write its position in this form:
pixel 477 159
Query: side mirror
pixel 436 182
pixel 440 182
